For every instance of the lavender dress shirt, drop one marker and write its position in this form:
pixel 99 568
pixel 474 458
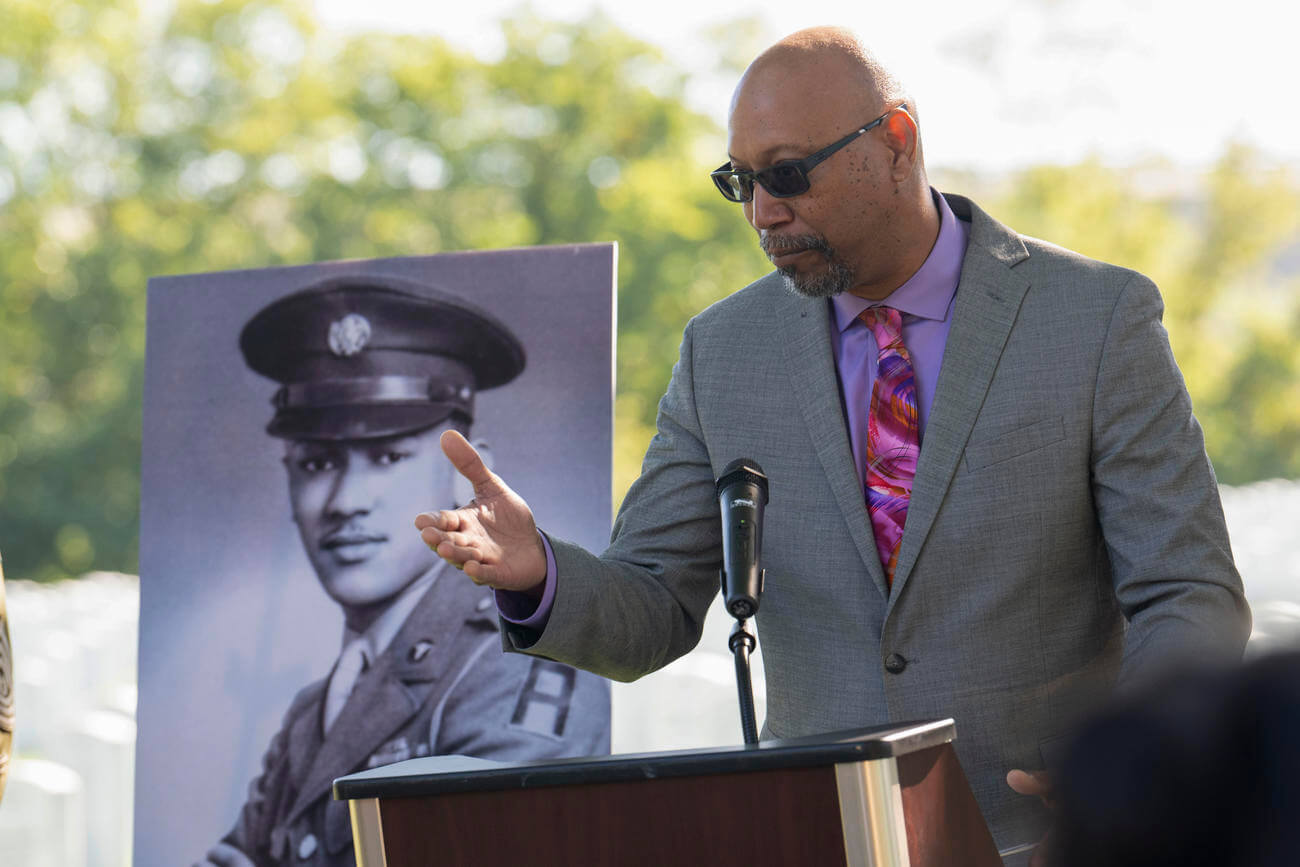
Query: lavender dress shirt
pixel 925 301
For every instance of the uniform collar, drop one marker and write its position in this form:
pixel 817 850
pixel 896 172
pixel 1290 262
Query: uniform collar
pixel 381 633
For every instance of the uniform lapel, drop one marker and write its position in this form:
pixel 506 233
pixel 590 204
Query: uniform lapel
pixel 382 702
pixel 304 737
pixel 811 362
pixel 988 300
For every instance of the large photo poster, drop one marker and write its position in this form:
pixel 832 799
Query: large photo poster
pixel 293 627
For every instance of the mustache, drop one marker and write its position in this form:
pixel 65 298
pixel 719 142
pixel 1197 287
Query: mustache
pixel 778 245
pixel 351 533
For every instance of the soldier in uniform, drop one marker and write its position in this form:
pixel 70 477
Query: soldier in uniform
pixel 372 371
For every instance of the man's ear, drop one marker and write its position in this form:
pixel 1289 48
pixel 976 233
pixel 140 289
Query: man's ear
pixel 461 490
pixel 902 137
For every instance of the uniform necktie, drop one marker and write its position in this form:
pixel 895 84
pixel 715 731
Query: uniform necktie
pixel 352 661
pixel 893 438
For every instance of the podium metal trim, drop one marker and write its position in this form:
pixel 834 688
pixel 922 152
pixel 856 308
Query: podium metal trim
pixel 367 832
pixel 872 798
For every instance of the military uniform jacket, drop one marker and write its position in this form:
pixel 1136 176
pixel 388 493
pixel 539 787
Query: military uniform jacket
pixel 442 687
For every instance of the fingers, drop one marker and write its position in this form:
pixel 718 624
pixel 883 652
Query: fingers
pixel 478 572
pixel 482 573
pixel 464 558
pixel 1039 784
pixel 457 551
pixel 1030 783
pixel 465 458
pixel 446 521
pixel 463 544
pixel 433 537
pixel 461 550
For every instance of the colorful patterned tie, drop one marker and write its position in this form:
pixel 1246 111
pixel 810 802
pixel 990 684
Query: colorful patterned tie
pixel 893 438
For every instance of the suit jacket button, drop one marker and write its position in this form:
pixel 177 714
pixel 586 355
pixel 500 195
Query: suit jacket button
pixel 895 663
pixel 307 847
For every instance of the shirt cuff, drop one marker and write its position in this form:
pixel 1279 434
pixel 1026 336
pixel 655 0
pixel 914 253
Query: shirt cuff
pixel 520 608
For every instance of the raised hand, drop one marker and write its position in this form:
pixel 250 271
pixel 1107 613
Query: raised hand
pixel 493 538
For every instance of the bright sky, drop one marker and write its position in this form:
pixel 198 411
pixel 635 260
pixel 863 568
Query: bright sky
pixel 1001 83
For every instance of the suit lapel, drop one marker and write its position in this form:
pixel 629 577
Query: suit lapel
pixel 988 300
pixel 811 362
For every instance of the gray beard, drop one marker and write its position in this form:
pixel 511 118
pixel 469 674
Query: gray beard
pixel 837 277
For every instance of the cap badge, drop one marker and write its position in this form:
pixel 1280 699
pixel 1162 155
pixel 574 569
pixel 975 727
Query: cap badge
pixel 349 335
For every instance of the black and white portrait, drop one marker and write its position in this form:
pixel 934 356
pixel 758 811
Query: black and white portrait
pixel 294 627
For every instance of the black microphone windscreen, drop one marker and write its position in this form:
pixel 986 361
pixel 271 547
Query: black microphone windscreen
pixel 743 470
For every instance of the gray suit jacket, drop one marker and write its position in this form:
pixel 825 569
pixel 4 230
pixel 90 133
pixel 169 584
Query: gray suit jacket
pixel 1064 529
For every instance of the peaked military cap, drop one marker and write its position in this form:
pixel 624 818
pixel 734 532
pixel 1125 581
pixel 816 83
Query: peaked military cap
pixel 360 357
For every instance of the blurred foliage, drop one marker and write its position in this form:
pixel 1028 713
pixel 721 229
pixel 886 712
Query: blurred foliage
pixel 203 136
pixel 234 134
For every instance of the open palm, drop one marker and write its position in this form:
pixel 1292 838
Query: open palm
pixel 493 538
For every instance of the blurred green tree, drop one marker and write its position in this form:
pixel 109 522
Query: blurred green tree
pixel 199 136
pixel 212 135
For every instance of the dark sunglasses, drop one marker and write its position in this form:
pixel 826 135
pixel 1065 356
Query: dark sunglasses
pixel 788 177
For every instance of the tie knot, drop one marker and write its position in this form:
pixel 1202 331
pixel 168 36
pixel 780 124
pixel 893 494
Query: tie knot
pixel 355 656
pixel 885 323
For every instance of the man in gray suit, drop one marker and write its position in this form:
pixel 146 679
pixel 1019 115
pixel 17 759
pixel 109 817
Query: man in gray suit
pixel 1061 528
pixel 373 370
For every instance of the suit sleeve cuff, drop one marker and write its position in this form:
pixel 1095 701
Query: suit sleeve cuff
pixel 520 609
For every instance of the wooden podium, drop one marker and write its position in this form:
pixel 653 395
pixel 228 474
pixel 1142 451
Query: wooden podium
pixel 892 795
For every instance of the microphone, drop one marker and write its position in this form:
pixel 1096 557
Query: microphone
pixel 742 494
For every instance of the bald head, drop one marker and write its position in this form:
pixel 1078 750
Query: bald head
pixel 825 62
pixel 824 79
pixel 866 219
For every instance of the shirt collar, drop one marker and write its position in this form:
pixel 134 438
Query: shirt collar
pixel 381 633
pixel 928 293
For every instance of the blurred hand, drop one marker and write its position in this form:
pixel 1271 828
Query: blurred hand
pixel 1035 784
pixel 493 538
pixel 225 855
